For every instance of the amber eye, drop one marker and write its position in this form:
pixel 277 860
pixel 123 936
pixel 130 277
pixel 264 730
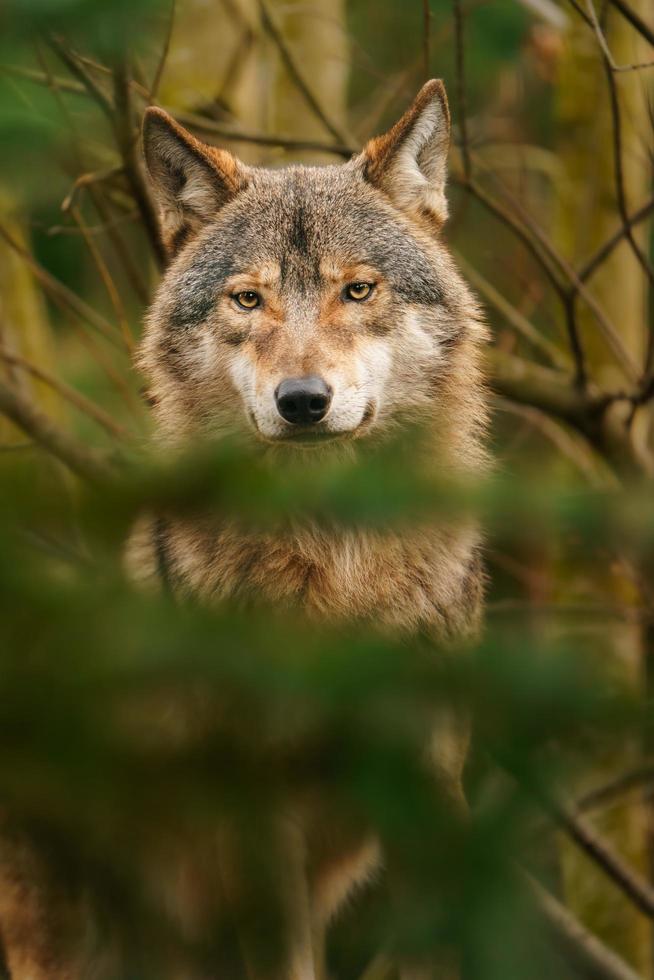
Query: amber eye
pixel 358 291
pixel 248 299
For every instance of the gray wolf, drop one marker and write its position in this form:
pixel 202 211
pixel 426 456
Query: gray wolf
pixel 311 311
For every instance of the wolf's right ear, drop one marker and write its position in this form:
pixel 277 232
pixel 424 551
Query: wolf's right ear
pixel 409 162
pixel 191 181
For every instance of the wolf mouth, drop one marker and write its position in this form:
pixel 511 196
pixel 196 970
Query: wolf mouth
pixel 312 437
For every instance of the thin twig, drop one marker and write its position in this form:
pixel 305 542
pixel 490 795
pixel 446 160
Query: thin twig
pixel 426 38
pixel 105 275
pixel 60 293
pixel 634 19
pixel 620 785
pixel 550 259
pixel 84 180
pixel 601 40
pixel 122 252
pixel 127 138
pixel 513 317
pixel 602 253
pixel 87 463
pixel 77 69
pixel 71 395
pixel 296 75
pixel 156 81
pixel 621 196
pixel 589 957
pixel 636 888
pixel 200 124
pixel 461 90
pixel 31 75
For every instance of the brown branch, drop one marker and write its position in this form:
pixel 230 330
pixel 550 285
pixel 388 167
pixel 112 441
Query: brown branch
pixel 532 244
pixel 69 394
pixel 553 263
pixel 461 90
pixel 623 783
pixel 622 198
pixel 426 37
pixel 632 885
pixel 603 252
pixel 76 68
pixel 201 124
pixel 634 19
pixel 585 409
pixel 132 271
pixel 513 317
pixel 603 43
pixel 296 75
pixel 127 132
pixel 85 180
pixel 105 275
pixel 88 464
pixel 550 391
pixel 156 81
pixel 60 293
pixel 588 956
pixel 39 78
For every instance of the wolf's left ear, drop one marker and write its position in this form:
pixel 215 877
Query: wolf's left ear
pixel 409 162
pixel 191 181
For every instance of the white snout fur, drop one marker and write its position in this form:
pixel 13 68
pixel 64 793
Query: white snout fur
pixel 354 390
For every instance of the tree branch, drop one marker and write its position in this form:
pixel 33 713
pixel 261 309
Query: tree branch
pixel 88 464
pixel 296 75
pixel 70 394
pixel 588 956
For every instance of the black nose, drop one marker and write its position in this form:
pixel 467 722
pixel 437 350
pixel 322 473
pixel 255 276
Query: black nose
pixel 303 401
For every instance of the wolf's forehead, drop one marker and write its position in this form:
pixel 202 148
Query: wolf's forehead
pixel 301 223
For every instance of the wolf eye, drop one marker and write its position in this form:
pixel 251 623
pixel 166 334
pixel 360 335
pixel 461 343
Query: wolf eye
pixel 358 291
pixel 248 299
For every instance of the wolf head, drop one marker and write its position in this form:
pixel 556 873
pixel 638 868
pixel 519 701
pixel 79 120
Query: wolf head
pixel 308 305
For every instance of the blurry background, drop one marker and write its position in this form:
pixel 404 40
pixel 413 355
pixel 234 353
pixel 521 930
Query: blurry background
pixel 551 204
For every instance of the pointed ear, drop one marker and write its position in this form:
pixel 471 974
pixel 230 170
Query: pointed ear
pixel 191 181
pixel 409 162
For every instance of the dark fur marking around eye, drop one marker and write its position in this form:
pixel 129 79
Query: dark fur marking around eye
pixel 199 286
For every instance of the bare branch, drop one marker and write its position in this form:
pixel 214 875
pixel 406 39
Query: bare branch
pixel 554 264
pixel 603 252
pixel 588 956
pixel 620 785
pixel 634 19
pixel 637 889
pixel 601 40
pixel 105 275
pixel 60 293
pixel 88 464
pixel 513 317
pixel 461 90
pixel 298 78
pixel 31 75
pixel 550 391
pixel 77 69
pixel 203 125
pixel 426 37
pixel 84 180
pixel 70 394
pixel 127 138
pixel 622 197
pixel 156 81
